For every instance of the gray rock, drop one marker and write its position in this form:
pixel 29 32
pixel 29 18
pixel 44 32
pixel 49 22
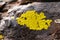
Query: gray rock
pixel 7 0
pixel 51 10
pixel 52 7
pixel 5 22
pixel 19 9
pixel 2 25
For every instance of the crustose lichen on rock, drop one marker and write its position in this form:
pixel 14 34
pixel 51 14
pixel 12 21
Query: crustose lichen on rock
pixel 34 20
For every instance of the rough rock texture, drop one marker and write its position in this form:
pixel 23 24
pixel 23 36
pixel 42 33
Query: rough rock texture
pixel 18 32
pixel 50 8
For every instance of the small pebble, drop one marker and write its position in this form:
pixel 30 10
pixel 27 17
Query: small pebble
pixel 57 21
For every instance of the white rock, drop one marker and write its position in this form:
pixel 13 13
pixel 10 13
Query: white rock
pixel 21 7
pixel 2 24
pixel 57 21
pixel 5 22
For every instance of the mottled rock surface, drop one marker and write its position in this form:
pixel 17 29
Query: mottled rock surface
pixel 51 10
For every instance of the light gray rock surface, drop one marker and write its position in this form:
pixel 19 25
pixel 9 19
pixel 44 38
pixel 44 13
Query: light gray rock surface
pixel 47 6
pixel 50 8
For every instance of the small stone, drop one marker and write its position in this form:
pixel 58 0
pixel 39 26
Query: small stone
pixel 57 21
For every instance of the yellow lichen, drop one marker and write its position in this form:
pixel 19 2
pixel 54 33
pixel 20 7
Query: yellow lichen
pixel 1 36
pixel 34 20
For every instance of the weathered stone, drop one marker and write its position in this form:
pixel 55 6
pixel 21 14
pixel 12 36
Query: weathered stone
pixel 52 7
pixel 57 21
pixel 51 10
